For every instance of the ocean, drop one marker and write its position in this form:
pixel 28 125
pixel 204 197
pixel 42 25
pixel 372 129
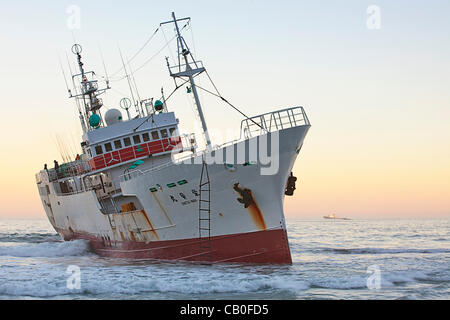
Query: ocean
pixel 332 259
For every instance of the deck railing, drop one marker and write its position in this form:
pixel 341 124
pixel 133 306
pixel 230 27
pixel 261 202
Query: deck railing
pixel 65 170
pixel 182 67
pixel 274 121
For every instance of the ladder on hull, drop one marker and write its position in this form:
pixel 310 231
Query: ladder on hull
pixel 204 215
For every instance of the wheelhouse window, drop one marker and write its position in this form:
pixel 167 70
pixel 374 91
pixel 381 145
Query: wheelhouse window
pixel 164 133
pixel 136 139
pixel 155 135
pixel 98 150
pixel 108 147
pixel 146 137
pixel 118 144
pixel 127 142
pixel 172 131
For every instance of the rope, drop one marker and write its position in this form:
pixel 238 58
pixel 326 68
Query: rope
pixel 177 87
pixel 139 51
pixel 226 101
pixel 146 62
pixel 166 45
pixel 170 51
pixel 154 56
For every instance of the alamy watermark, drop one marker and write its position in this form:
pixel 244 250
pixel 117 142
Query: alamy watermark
pixel 262 150
pixel 73 21
pixel 73 282
pixel 373 21
pixel 373 282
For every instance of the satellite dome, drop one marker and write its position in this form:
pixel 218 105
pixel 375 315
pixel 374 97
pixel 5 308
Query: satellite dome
pixel 94 120
pixel 113 116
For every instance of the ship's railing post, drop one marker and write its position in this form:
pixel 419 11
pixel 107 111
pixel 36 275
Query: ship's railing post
pixel 293 117
pixel 289 116
pixel 281 121
pixel 265 124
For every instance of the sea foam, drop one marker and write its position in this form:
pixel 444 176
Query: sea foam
pixel 47 249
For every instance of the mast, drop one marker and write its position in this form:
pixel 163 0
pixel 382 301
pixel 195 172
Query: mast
pixel 192 69
pixel 89 91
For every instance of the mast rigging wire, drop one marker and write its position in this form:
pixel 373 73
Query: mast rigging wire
pixel 139 51
pixel 146 62
pixel 225 100
pixel 64 74
pixel 128 78
pixel 170 51
pixel 103 61
pixel 153 56
pixel 176 88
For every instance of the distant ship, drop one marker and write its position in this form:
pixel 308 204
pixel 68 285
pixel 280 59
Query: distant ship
pixel 333 216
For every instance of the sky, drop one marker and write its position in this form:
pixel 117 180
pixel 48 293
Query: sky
pixel 375 86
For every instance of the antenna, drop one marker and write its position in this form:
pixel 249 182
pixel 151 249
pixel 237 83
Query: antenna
pixel 89 90
pixel 64 75
pixel 137 91
pixel 125 104
pixel 77 102
pixel 163 98
pixel 129 84
pixel 77 49
pixel 104 66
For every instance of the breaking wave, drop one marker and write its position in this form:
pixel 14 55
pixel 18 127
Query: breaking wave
pixel 29 237
pixel 102 284
pixel 200 286
pixel 95 282
pixel 388 279
pixel 47 249
pixel 34 265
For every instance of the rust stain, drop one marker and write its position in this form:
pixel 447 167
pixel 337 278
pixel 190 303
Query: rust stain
pixel 161 207
pixel 256 214
pixel 153 231
pixel 133 238
pixel 121 235
pixel 249 203
pixel 128 207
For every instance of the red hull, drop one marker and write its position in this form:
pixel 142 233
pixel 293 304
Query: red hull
pixel 268 246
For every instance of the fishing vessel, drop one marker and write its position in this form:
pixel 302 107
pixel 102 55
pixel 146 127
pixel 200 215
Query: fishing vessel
pixel 334 217
pixel 142 190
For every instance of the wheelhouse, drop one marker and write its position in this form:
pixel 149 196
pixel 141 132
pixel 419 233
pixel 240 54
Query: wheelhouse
pixel 132 140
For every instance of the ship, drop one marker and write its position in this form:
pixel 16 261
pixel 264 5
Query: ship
pixel 142 190
pixel 334 217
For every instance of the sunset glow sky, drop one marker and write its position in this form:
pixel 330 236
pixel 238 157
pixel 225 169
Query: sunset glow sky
pixel 378 99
